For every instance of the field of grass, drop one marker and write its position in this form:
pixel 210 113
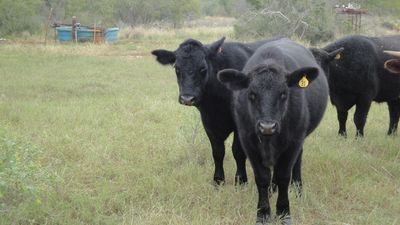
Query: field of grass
pixel 95 135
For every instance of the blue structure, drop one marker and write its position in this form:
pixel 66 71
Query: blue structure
pixel 64 33
pixel 87 34
pixel 111 35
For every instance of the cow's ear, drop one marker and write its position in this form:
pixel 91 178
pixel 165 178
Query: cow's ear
pixel 393 66
pixel 164 57
pixel 319 54
pixel 321 57
pixel 302 77
pixel 335 54
pixel 233 79
pixel 216 47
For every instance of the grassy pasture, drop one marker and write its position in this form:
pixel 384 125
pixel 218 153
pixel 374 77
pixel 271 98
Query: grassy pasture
pixel 95 135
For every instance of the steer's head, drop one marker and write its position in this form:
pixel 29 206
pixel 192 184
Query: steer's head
pixel 324 58
pixel 393 65
pixel 192 67
pixel 264 93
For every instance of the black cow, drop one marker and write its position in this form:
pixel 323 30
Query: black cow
pixel 279 99
pixel 358 77
pixel 196 66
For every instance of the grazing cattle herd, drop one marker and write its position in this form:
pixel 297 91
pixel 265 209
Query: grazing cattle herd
pixel 273 93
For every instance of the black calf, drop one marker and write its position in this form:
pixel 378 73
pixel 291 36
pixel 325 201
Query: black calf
pixel 196 66
pixel 280 98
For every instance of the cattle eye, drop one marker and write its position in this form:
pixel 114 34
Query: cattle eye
pixel 252 96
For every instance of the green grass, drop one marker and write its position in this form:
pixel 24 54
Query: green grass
pixel 109 144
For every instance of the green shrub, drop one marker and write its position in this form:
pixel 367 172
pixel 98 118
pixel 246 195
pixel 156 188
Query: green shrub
pixel 22 178
pixel 391 25
pixel 19 15
pixel 307 19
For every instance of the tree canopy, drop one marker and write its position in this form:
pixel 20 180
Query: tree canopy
pixel 31 15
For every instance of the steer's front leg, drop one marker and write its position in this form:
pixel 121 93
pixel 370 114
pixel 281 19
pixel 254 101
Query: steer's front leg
pixel 218 153
pixel 282 204
pixel 283 169
pixel 263 179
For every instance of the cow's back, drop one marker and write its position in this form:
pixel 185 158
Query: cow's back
pixel 389 83
pixel 360 68
pixel 235 54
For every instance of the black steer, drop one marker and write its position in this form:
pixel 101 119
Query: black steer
pixel 196 66
pixel 279 99
pixel 358 77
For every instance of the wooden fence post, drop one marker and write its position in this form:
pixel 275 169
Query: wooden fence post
pixel 73 30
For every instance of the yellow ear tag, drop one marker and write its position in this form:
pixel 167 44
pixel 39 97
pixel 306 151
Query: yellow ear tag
pixel 303 83
pixel 337 57
pixel 220 50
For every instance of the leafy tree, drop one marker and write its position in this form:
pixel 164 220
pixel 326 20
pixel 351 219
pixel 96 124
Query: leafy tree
pixel 227 6
pixel 91 11
pixel 136 11
pixel 175 10
pixel 19 15
pixel 31 15
pixel 257 4
pixel 308 19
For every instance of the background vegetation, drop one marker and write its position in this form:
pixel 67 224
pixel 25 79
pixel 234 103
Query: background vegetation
pixel 311 20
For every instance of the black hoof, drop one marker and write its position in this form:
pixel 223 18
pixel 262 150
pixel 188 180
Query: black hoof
pixel 286 220
pixel 262 220
pixel 343 134
pixel 239 180
pixel 359 134
pixel 218 182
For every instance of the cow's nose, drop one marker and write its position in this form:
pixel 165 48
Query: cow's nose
pixel 186 100
pixel 267 127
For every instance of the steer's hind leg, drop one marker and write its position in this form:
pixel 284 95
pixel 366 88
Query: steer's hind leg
pixel 360 116
pixel 274 186
pixel 394 112
pixel 296 175
pixel 342 118
pixel 240 158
